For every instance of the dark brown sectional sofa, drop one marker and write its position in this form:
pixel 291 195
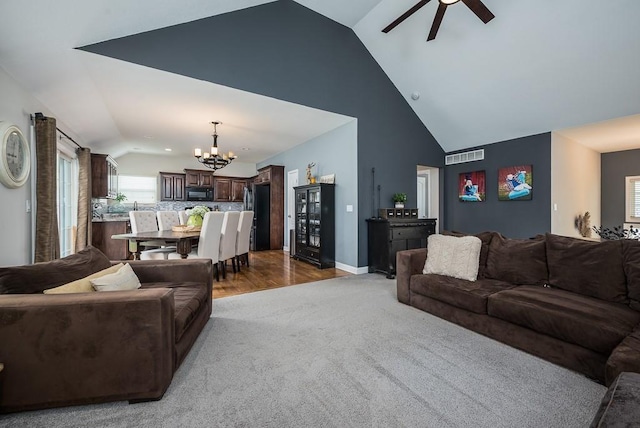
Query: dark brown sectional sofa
pixel 573 302
pixel 67 349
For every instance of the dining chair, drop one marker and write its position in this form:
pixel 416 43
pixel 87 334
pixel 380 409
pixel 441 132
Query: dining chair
pixel 145 221
pixel 167 219
pixel 242 241
pixel 182 215
pixel 228 240
pixel 209 245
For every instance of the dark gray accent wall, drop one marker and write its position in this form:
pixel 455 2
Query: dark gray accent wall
pixel 286 51
pixel 614 168
pixel 515 219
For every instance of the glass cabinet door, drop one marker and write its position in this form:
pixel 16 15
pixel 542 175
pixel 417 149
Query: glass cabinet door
pixel 314 217
pixel 301 218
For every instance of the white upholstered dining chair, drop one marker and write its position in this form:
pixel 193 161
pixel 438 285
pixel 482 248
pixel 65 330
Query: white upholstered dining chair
pixel 242 241
pixel 228 240
pixel 209 244
pixel 145 221
pixel 182 215
pixel 167 219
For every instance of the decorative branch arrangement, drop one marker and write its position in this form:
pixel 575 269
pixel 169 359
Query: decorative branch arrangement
pixel 583 224
pixel 617 232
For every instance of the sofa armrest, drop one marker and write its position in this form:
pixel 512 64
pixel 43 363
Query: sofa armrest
pixel 67 349
pixel 408 262
pixel 624 358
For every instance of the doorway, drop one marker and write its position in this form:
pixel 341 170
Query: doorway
pixel 428 192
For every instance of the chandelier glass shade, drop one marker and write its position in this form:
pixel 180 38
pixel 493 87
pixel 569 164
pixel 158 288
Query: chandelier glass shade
pixel 214 159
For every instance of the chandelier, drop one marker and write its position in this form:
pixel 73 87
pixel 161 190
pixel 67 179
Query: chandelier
pixel 214 160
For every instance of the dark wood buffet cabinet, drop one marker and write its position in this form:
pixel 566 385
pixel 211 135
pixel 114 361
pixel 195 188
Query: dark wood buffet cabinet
pixel 388 236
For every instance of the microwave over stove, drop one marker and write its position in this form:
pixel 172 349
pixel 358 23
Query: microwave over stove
pixel 199 193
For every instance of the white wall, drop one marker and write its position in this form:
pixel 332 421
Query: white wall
pixel 575 185
pixel 16 105
pixel 150 165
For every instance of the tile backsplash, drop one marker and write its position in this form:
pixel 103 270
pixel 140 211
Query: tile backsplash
pixel 104 206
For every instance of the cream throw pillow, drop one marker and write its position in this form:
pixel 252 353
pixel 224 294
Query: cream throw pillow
pixel 124 279
pixel 453 256
pixel 82 285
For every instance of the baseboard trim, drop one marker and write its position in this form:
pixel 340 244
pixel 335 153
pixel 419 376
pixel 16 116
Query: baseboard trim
pixel 352 269
pixel 285 249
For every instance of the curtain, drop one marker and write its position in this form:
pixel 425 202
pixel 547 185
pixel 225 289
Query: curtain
pixel 47 241
pixel 83 236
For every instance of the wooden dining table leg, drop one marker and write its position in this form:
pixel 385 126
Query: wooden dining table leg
pixel 183 247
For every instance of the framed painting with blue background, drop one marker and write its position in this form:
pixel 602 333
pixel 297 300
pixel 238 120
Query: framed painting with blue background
pixel 471 186
pixel 515 183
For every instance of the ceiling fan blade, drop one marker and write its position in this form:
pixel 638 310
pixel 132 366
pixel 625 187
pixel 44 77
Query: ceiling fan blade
pixel 480 10
pixel 437 21
pixel 405 15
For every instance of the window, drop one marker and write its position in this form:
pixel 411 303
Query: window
pixel 632 199
pixel 67 201
pixel 138 189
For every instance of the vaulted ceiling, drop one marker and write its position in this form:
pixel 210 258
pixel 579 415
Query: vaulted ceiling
pixel 537 67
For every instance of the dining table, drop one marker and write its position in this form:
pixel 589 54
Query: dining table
pixel 184 240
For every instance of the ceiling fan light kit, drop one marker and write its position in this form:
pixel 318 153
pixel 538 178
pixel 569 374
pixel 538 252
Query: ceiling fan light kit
pixel 476 7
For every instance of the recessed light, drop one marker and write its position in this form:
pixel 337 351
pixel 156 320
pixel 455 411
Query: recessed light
pixel 149 137
pixel 167 150
pixel 245 149
pixel 136 148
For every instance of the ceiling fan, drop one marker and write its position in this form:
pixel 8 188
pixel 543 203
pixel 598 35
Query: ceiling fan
pixel 476 7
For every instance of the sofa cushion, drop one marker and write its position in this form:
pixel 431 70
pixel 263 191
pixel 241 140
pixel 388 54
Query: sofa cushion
pixel 517 261
pixel 591 323
pixel 38 277
pixel 586 267
pixel 469 295
pixel 453 256
pixel 485 237
pixel 188 302
pixel 82 285
pixel 631 263
pixel 122 280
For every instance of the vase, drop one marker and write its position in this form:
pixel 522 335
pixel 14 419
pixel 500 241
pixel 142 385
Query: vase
pixel 194 220
pixel 399 205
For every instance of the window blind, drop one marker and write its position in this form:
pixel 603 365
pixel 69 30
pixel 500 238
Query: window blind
pixel 138 189
pixel 633 198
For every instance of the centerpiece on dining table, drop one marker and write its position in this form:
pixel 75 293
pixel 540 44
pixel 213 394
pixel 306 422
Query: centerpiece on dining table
pixel 194 219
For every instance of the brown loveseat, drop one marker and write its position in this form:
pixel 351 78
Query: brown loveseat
pixel 573 302
pixel 66 349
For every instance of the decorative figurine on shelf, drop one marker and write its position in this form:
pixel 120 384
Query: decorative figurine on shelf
pixel 310 178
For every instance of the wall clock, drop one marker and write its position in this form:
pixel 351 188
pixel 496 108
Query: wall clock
pixel 15 158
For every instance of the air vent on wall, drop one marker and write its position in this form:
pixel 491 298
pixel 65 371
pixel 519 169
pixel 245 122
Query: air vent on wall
pixel 474 155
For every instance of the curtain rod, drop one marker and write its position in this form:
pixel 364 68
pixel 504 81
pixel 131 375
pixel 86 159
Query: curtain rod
pixel 40 115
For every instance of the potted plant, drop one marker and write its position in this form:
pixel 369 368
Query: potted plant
pixel 399 199
pixel 196 215
pixel 117 207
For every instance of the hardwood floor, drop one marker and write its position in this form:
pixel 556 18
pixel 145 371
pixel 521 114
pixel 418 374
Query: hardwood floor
pixel 270 269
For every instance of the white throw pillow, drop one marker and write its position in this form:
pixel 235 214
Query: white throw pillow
pixel 124 279
pixel 453 256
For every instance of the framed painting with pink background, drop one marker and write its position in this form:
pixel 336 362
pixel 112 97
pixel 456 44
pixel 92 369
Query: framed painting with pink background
pixel 515 183
pixel 472 186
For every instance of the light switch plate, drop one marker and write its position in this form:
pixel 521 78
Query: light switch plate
pixel 349 208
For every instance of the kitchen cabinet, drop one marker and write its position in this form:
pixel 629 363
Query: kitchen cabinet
pixel 198 178
pixel 268 205
pixel 101 232
pixel 315 224
pixel 104 176
pixel 237 190
pixel 228 189
pixel 221 189
pixel 172 186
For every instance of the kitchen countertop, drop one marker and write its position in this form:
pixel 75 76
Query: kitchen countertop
pixel 111 217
